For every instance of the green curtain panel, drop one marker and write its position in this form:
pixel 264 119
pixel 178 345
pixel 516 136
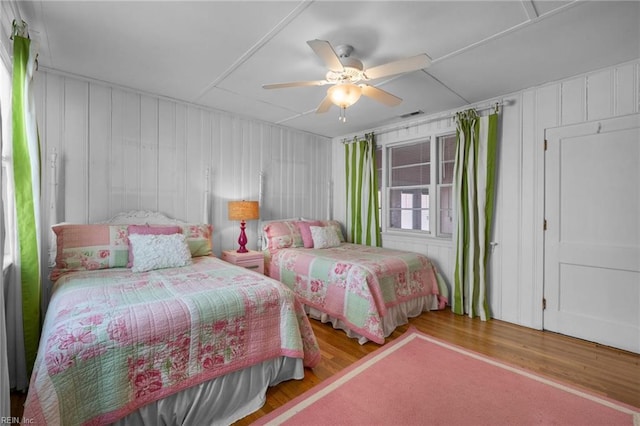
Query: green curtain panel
pixel 26 170
pixel 362 191
pixel 473 188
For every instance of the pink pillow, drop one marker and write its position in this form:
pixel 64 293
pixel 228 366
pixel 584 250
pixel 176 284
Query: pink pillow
pixel 150 230
pixel 305 232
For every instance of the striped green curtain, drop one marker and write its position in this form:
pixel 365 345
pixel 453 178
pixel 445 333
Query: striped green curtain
pixel 473 189
pixel 26 171
pixel 362 191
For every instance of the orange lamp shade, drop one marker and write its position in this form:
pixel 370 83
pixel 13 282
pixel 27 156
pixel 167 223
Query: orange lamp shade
pixel 243 210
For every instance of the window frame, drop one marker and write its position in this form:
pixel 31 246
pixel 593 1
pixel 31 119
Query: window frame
pixel 439 185
pixel 7 215
pixel 434 186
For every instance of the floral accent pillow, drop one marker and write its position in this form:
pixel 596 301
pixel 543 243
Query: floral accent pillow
pixel 282 235
pixel 337 226
pixel 198 237
pixel 324 237
pixel 89 247
pixel 159 251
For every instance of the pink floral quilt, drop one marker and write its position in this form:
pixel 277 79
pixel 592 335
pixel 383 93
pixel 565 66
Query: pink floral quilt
pixel 355 283
pixel 114 340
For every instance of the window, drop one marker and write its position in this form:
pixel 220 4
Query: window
pixel 419 179
pixel 5 118
pixel 409 181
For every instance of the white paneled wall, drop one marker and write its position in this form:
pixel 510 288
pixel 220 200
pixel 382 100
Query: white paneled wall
pixel 516 263
pixel 119 150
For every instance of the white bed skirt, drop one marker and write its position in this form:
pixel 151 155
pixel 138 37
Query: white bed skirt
pixel 221 401
pixel 396 316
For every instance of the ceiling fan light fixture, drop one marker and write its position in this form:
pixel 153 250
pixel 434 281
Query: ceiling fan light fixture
pixel 345 94
pixel 345 74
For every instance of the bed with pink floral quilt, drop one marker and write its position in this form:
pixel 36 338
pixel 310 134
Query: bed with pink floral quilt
pixel 366 291
pixel 170 345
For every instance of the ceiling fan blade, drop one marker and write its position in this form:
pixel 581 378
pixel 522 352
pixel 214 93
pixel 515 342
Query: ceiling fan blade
pixel 324 50
pixel 380 95
pixel 398 67
pixel 295 84
pixel 324 105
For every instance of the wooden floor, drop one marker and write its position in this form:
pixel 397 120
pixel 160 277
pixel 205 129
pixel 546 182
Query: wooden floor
pixel 600 369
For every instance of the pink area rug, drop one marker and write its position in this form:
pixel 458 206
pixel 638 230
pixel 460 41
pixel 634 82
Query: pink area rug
pixel 420 380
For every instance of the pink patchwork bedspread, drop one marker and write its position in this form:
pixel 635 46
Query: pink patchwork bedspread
pixel 354 283
pixel 114 340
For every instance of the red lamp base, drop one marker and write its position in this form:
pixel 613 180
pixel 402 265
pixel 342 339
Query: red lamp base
pixel 242 239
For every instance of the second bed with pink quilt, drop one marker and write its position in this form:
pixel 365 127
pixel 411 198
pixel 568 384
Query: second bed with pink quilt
pixel 365 291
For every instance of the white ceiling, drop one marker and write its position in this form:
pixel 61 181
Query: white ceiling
pixel 219 53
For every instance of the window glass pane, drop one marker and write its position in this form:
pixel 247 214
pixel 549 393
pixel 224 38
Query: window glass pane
pixel 446 212
pixel 419 197
pixel 411 154
pixel 447 155
pixel 424 220
pixel 409 209
pixel 416 219
pixel 411 175
pixel 446 172
pixel 406 214
pixel 448 147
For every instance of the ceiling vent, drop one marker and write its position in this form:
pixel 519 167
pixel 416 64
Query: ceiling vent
pixel 412 114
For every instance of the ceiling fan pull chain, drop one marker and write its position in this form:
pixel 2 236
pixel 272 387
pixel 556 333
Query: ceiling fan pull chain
pixel 343 115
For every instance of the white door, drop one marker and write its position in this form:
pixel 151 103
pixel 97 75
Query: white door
pixel 592 240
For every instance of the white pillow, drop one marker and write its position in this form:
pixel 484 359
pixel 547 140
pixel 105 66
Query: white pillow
pixel 159 251
pixel 324 236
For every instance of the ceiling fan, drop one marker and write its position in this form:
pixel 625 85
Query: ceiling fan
pixel 347 76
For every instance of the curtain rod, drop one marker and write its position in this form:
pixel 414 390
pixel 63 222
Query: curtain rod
pixel 495 105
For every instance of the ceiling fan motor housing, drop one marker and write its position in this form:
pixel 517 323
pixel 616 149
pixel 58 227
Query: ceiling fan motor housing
pixel 352 72
pixel 353 68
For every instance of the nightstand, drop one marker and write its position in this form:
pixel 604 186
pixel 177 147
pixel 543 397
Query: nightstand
pixel 253 260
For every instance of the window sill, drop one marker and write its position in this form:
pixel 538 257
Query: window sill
pixel 398 236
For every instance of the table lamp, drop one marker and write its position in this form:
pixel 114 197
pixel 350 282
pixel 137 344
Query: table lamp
pixel 243 211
